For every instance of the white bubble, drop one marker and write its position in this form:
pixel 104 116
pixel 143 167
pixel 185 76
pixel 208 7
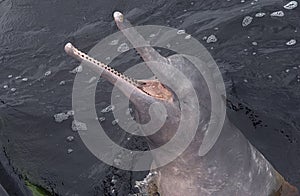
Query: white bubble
pixel 123 48
pixel 71 112
pixel 70 138
pixel 25 79
pixel 291 5
pixel 247 20
pixel 62 83
pixel 92 79
pixel 5 86
pixel 78 126
pixel 117 161
pixel 10 76
pixel 254 43
pixel 180 32
pixel 18 77
pixel 108 109
pixel 260 14
pixel 211 39
pixel 77 70
pixel 114 42
pixel 60 117
pixel 152 35
pixel 101 119
pixel 115 122
pixel 291 42
pixel 277 14
pixel 188 37
pixel 13 89
pixel 113 180
pixel 47 73
pixel 70 151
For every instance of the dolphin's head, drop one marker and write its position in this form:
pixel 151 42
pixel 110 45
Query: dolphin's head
pixel 159 92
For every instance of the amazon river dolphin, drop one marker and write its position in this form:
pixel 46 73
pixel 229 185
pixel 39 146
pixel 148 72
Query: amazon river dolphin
pixel 233 167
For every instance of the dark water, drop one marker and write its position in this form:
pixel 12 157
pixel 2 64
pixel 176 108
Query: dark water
pixel 260 70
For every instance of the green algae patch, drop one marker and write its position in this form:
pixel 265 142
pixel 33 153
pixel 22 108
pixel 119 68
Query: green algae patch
pixel 36 190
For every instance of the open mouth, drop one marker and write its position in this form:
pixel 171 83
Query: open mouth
pixel 153 88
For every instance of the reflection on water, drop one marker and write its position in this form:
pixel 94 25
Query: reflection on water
pixel 253 42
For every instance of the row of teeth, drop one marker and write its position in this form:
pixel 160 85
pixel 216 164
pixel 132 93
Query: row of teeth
pixel 106 67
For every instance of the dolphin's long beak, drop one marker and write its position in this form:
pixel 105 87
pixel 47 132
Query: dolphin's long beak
pixel 156 63
pixel 135 90
pixel 137 41
pixel 126 85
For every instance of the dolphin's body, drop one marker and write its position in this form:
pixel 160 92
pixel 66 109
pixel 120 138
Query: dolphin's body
pixel 233 167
